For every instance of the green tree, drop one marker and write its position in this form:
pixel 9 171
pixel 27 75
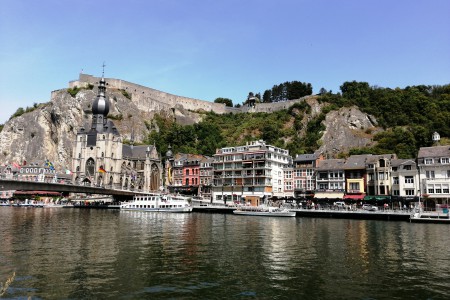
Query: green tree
pixel 226 101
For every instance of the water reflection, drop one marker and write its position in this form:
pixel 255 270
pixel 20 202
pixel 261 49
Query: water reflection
pixel 75 253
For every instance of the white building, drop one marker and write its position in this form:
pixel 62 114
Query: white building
pixel 405 179
pixel 255 170
pixel 434 175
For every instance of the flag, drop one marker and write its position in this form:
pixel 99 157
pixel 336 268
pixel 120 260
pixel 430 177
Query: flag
pixel 16 165
pixel 101 170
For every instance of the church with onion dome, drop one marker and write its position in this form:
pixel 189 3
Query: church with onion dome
pixel 101 159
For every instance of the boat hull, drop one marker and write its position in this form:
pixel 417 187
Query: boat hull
pixel 168 210
pixel 265 213
pixel 430 218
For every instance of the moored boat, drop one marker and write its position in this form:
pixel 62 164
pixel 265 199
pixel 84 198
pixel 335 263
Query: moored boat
pixel 264 211
pixel 158 203
pixel 424 217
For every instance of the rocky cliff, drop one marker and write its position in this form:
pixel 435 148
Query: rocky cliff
pixel 48 131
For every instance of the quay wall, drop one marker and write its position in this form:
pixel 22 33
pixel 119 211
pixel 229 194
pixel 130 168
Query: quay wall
pixel 360 215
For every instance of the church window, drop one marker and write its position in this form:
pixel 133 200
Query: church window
pixel 103 154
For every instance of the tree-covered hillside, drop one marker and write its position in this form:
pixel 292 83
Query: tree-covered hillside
pixel 409 117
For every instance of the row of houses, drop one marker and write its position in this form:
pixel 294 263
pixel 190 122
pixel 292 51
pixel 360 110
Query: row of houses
pixel 258 170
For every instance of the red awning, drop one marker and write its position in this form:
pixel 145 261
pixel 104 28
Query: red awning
pixel 354 197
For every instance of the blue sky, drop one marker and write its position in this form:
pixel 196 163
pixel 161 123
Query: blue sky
pixel 206 49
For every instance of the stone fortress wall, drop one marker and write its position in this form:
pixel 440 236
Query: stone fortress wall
pixel 148 99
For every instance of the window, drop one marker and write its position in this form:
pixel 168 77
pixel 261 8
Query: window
pixel 407 167
pixel 445 160
pixel 354 186
pixel 409 192
pixel 396 181
pixel 396 192
pixel 428 161
pixel 438 189
pixel 323 186
pixel 429 174
pixel 381 176
pixel 430 190
pixel 409 179
pixel 187 172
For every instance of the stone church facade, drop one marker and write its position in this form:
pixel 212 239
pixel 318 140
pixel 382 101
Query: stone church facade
pixel 101 159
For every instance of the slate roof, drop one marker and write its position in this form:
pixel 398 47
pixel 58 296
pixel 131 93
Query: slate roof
pixel 436 151
pixel 137 152
pixel 399 162
pixel 355 162
pixel 305 157
pixel 331 164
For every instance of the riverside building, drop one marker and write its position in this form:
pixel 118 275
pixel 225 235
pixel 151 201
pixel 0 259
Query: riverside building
pixel 252 173
pixel 100 158
pixel 434 175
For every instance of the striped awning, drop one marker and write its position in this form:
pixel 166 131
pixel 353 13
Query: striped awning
pixel 377 198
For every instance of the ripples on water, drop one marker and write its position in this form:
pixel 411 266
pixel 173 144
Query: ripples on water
pixel 76 253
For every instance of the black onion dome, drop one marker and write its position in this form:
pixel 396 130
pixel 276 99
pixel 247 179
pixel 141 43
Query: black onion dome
pixel 101 103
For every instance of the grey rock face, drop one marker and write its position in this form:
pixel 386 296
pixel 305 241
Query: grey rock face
pixel 48 131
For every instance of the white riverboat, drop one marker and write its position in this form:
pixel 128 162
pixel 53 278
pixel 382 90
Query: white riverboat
pixel 158 203
pixel 264 211
pixel 430 217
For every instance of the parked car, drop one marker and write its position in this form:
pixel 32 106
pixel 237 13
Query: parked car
pixel 369 207
pixel 340 204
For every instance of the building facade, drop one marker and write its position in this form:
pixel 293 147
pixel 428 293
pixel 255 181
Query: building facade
pixel 434 175
pixel 304 174
pixel 100 158
pixel 253 170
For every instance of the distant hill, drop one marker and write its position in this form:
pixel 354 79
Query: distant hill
pixel 361 119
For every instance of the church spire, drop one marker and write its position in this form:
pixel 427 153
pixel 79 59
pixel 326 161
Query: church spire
pixel 100 106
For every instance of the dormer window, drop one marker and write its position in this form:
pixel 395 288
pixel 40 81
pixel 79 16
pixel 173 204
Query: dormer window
pixel 445 160
pixel 428 161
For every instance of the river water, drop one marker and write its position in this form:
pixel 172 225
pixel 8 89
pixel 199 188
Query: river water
pixel 70 253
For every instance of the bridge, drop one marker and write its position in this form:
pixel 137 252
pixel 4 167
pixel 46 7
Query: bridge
pixel 17 185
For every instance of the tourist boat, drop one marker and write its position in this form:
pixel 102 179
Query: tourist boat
pixel 265 211
pixel 158 203
pixel 431 217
